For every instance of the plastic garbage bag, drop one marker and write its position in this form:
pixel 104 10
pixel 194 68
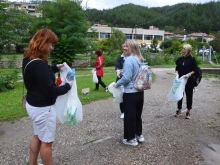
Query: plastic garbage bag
pixel 176 92
pixel 94 76
pixel 68 106
pixel 117 93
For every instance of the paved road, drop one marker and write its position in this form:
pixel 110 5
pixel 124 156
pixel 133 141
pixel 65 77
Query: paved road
pixel 97 139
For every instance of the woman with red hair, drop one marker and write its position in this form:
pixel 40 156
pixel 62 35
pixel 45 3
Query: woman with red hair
pixel 39 80
pixel 99 62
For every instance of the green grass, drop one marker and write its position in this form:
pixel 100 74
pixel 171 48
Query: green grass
pixel 206 75
pixel 12 56
pixel 163 66
pixel 209 66
pixel 10 102
pixel 8 71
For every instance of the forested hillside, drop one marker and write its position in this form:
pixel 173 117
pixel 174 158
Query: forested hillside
pixel 191 17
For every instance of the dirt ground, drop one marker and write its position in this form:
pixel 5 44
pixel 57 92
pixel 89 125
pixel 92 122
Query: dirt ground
pixel 97 139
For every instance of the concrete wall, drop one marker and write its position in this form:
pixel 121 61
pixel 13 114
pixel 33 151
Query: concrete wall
pixel 211 70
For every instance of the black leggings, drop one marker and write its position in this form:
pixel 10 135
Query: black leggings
pixel 100 82
pixel 189 97
pixel 133 106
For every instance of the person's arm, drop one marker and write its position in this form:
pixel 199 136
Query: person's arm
pixel 176 69
pixel 194 66
pixel 118 67
pixel 42 77
pixel 54 68
pixel 127 74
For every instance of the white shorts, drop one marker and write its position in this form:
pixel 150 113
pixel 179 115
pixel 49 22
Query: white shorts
pixel 44 122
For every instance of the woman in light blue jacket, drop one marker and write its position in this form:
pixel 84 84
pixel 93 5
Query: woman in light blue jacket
pixel 132 98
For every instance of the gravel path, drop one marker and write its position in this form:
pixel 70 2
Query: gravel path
pixel 97 139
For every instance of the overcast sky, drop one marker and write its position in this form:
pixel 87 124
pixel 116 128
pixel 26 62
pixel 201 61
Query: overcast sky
pixel 109 4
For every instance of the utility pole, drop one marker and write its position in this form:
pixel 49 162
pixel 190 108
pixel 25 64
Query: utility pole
pixel 135 32
pixel 203 53
pixel 87 3
pixel 202 37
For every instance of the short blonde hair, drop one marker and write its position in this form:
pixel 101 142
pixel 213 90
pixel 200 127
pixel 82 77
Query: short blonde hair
pixel 134 47
pixel 188 48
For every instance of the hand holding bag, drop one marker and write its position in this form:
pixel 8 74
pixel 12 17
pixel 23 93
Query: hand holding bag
pixel 176 92
pixel 94 76
pixel 68 106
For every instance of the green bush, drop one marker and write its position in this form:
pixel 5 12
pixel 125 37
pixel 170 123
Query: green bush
pixel 168 59
pixel 159 59
pixel 7 82
pixel 198 60
pixel 110 59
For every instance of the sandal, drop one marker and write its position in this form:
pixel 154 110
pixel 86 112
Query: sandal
pixel 178 113
pixel 187 115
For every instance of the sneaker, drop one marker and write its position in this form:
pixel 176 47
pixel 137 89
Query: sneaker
pixel 106 89
pixel 132 142
pixel 122 116
pixel 187 115
pixel 140 138
pixel 178 113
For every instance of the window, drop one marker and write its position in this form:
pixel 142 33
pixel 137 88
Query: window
pixel 138 36
pixel 92 35
pixel 158 37
pixel 104 35
pixel 128 36
pixel 148 37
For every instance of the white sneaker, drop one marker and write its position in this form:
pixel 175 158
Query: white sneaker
pixel 122 116
pixel 140 138
pixel 132 142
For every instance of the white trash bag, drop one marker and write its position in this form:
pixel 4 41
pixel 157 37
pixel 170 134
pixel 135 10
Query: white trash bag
pixel 94 76
pixel 68 106
pixel 117 93
pixel 176 92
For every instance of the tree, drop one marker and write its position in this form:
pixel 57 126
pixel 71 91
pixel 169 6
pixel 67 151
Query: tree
pixel 216 43
pixel 67 19
pixel 167 43
pixel 117 39
pixel 154 44
pixel 14 30
pixel 104 45
pixel 176 46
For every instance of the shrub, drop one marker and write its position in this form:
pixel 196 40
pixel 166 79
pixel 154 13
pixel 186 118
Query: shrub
pixel 110 59
pixel 7 82
pixel 168 59
pixel 198 60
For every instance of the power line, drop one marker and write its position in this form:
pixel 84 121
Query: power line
pixel 162 16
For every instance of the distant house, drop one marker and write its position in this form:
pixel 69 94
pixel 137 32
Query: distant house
pixel 191 36
pixel 178 36
pixel 168 35
pixel 153 28
pixel 143 36
pixel 205 36
pixel 29 8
